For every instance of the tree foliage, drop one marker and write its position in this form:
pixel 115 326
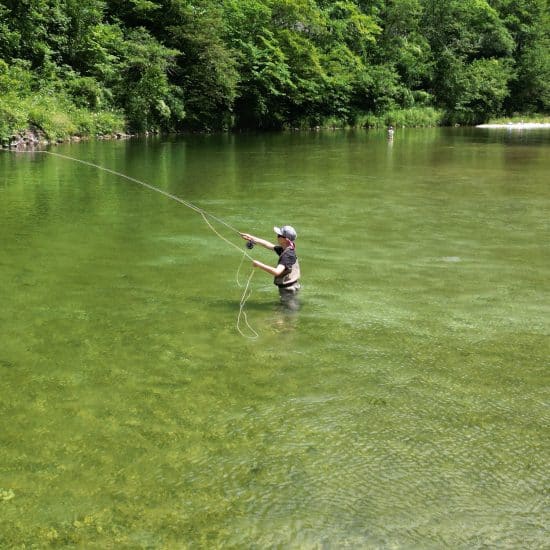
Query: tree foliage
pixel 222 64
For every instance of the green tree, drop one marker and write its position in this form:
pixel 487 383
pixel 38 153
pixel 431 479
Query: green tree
pixel 402 43
pixel 264 84
pixel 220 64
pixel 206 67
pixel 347 24
pixel 528 21
pixel 281 78
pixel 461 34
pixel 39 29
pixel 484 87
pixel 9 39
pixel 83 50
pixel 140 83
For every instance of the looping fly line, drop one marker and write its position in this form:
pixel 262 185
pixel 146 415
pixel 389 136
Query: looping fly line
pixel 205 215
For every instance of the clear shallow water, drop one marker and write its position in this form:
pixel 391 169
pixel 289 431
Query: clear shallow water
pixel 404 405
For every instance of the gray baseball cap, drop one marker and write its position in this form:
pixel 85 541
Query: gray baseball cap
pixel 286 231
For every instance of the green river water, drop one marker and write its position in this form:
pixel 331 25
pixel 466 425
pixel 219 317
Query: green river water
pixel 403 405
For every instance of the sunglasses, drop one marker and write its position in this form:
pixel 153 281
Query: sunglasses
pixel 281 237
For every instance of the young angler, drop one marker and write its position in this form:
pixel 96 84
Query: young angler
pixel 287 271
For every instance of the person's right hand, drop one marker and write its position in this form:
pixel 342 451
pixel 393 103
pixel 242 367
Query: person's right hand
pixel 247 237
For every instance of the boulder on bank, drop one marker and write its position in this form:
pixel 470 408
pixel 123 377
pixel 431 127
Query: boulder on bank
pixel 31 138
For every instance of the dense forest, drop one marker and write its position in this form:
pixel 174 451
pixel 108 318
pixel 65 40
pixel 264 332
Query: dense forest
pixel 96 66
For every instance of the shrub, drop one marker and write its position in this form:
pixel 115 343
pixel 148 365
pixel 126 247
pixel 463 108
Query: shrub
pixel 414 117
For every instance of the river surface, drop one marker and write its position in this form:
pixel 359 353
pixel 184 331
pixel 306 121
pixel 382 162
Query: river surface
pixel 403 404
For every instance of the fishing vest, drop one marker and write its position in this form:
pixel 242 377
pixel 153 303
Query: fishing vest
pixel 288 277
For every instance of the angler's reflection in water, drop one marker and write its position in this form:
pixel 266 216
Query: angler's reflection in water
pixel 290 301
pixel 287 312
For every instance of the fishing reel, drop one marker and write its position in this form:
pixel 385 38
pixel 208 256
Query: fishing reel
pixel 250 245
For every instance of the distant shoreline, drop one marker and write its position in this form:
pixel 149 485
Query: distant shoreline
pixel 517 125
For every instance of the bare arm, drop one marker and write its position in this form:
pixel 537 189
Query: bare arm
pixel 275 271
pixel 257 240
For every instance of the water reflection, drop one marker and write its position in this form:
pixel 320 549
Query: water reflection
pixel 290 299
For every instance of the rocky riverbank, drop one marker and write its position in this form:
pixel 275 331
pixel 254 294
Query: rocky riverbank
pixel 35 138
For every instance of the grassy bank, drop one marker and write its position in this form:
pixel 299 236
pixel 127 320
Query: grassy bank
pixel 47 110
pixel 57 119
pixel 415 117
pixel 53 119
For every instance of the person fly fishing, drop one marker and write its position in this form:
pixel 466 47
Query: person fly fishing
pixel 287 271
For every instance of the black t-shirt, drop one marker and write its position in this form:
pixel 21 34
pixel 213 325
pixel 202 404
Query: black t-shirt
pixel 287 257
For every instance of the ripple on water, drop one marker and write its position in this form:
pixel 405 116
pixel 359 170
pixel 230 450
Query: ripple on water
pixel 451 259
pixel 432 473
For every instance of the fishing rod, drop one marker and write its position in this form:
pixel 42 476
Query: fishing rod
pixel 205 215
